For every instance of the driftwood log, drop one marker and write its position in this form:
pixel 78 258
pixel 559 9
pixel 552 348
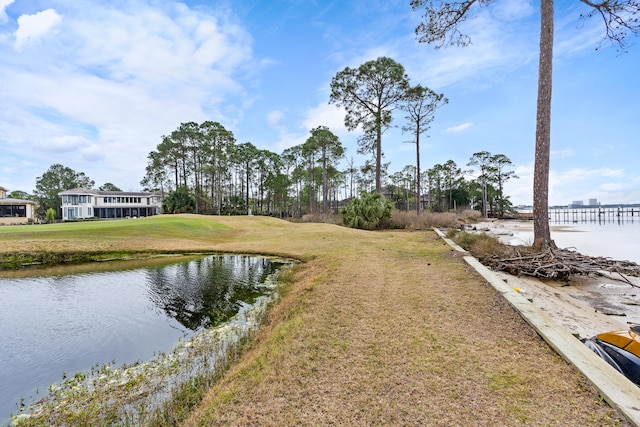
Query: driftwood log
pixel 560 264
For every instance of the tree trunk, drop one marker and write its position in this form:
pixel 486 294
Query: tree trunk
pixel 541 231
pixel 247 174
pixel 418 168
pixel 325 186
pixel 378 157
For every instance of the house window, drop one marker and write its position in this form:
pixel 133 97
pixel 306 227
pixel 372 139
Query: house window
pixel 13 211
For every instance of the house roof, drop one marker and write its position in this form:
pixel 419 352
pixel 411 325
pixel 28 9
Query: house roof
pixel 86 191
pixel 122 193
pixel 78 191
pixel 16 202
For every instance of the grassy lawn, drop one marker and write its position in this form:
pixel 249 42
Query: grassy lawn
pixel 375 328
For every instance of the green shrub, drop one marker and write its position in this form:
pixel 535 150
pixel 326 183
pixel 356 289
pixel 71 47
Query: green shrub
pixel 369 212
pixel 179 201
pixel 51 215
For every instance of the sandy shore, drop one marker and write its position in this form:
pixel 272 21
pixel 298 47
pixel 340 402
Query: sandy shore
pixel 585 306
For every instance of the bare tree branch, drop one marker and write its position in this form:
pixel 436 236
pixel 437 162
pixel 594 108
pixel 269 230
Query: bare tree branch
pixel 620 18
pixel 440 23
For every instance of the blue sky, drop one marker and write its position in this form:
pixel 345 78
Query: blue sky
pixel 93 85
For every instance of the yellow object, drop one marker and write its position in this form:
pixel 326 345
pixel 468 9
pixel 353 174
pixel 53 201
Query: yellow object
pixel 626 340
pixel 516 289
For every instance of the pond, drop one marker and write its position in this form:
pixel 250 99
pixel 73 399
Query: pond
pixel 54 326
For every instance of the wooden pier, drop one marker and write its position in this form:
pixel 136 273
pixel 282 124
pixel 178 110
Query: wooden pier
pixel 602 214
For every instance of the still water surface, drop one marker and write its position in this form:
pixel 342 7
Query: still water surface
pixel 618 239
pixel 69 323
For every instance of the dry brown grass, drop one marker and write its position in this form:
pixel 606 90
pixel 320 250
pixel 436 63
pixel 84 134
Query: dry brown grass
pixel 412 221
pixel 386 328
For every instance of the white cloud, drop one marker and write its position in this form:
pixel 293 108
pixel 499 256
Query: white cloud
pixel 328 115
pixel 275 118
pixel 611 187
pixel 114 81
pixel 287 140
pixel 34 27
pixel 323 114
pixel 154 46
pixel 561 154
pixel 579 174
pixel 565 186
pixel 574 35
pixel 459 128
pixel 3 11
pixel 511 10
pixel 606 184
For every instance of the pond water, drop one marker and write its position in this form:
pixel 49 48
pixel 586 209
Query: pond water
pixel 54 326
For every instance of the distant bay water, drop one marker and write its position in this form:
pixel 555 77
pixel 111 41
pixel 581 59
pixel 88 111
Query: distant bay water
pixel 611 236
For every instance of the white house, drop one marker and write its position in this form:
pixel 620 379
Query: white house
pixel 15 211
pixel 82 203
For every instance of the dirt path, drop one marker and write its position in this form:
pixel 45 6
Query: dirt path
pixel 400 332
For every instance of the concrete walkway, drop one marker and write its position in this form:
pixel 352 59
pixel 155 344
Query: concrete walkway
pixel 614 388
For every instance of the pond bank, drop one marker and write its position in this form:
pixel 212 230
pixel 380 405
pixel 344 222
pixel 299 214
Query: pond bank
pixel 22 260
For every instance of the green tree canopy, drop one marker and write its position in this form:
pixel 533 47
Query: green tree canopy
pixel 179 201
pixel 18 194
pixel 56 179
pixel 331 150
pixel 369 94
pixel 420 105
pixel 107 186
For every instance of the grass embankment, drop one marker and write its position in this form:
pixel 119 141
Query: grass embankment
pixel 376 328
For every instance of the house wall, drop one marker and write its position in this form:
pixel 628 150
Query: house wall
pixel 83 206
pixel 30 214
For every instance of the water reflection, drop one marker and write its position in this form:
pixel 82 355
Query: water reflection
pixel 69 323
pixel 209 291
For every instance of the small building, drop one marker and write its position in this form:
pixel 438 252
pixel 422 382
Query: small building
pixel 15 211
pixel 82 203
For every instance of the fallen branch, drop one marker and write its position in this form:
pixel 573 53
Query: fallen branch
pixel 560 264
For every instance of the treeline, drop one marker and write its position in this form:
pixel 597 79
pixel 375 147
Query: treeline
pixel 202 169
